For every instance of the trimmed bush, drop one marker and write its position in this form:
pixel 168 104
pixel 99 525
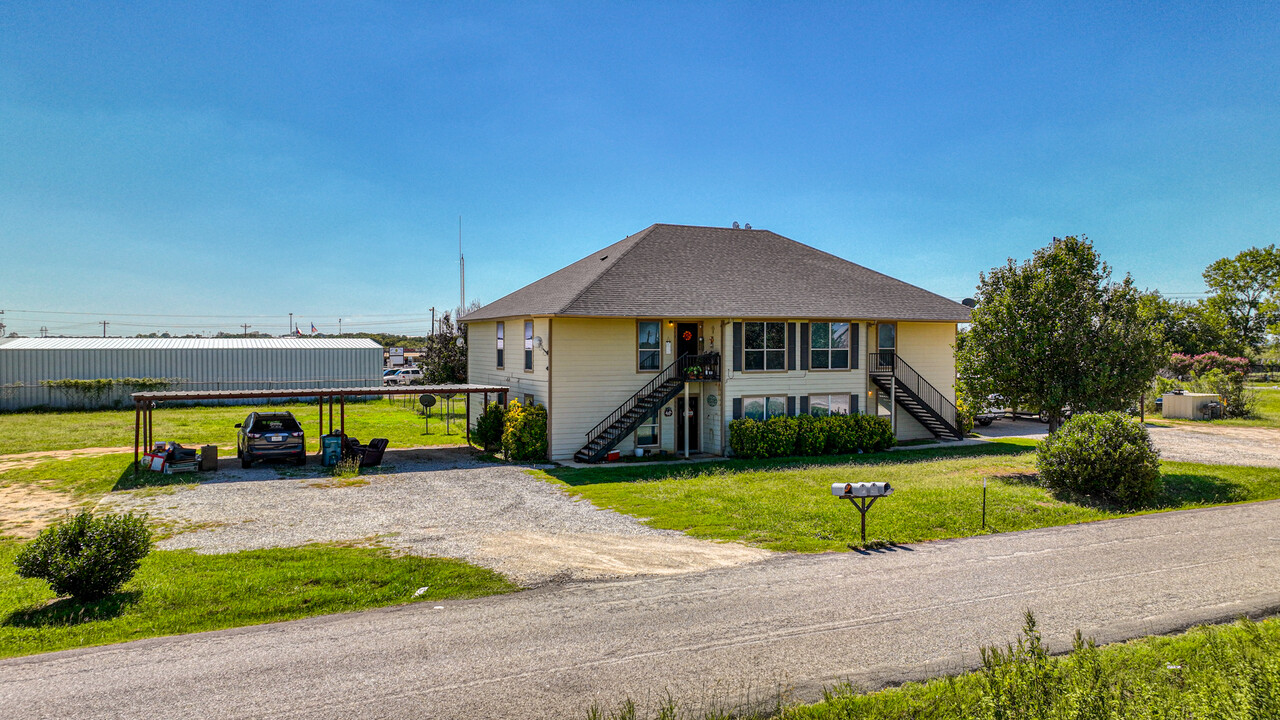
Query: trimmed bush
pixel 524 433
pixel 87 557
pixel 489 426
pixel 1102 455
pixel 808 436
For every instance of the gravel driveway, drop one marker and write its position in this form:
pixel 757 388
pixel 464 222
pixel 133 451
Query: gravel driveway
pixel 1199 443
pixel 435 502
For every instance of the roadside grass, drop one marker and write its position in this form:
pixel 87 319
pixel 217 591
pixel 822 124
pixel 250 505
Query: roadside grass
pixel 397 421
pixel 1224 671
pixel 786 505
pixel 179 592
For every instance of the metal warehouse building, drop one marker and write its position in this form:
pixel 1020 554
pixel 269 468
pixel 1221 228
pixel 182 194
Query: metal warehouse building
pixel 187 364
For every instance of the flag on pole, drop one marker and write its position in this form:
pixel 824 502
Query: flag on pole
pixel 313 328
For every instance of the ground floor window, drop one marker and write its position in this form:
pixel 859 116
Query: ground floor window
pixel 823 405
pixel 763 408
pixel 647 432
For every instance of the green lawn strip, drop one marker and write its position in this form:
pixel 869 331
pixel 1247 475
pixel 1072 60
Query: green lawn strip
pixel 178 592
pixel 215 424
pixel 937 494
pixel 87 478
pixel 1225 671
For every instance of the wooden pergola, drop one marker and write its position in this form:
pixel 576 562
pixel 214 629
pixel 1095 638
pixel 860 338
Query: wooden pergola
pixel 146 402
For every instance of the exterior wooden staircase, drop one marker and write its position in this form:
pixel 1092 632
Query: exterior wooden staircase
pixel 921 400
pixel 647 402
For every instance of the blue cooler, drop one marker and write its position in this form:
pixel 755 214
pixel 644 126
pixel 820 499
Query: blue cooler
pixel 330 450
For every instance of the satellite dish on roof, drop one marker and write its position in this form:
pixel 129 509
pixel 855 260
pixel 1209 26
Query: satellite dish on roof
pixel 969 302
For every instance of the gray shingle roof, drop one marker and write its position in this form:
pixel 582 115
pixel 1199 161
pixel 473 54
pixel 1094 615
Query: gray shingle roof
pixel 672 271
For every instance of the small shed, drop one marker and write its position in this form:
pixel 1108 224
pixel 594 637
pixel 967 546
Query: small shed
pixel 1188 406
pixel 30 368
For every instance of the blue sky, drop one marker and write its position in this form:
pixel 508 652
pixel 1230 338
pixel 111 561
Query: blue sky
pixel 241 161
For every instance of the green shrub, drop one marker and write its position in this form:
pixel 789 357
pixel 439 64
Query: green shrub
pixel 524 433
pixel 744 438
pixel 1238 401
pixel 1101 455
pixel 811 436
pixel 87 557
pixel 489 426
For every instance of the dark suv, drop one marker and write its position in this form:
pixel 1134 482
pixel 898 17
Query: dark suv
pixel 270 435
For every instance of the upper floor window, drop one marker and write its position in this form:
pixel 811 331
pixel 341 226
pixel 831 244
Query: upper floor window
pixel 764 346
pixel 501 330
pixel 528 344
pixel 829 346
pixel 648 339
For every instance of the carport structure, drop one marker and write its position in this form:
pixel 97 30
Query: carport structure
pixel 144 403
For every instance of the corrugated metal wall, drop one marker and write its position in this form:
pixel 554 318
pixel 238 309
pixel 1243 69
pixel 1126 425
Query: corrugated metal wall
pixel 192 368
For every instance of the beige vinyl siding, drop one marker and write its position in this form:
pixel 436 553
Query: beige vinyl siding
pixel 929 348
pixel 795 383
pixel 482 359
pixel 595 372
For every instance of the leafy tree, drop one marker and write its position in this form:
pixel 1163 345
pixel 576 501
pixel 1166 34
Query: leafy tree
pixel 1056 331
pixel 1191 327
pixel 444 355
pixel 1245 290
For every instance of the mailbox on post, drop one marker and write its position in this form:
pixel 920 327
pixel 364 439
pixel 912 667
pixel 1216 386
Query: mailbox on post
pixel 863 496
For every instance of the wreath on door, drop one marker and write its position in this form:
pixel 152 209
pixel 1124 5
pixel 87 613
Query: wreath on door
pixel 687 336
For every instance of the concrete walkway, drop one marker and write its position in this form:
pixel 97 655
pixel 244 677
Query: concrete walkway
pixel 796 622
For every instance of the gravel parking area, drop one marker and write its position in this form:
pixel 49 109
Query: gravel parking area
pixel 433 502
pixel 1180 442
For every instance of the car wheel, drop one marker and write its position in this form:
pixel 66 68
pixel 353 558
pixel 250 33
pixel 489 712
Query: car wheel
pixel 985 422
pixel 246 461
pixel 300 460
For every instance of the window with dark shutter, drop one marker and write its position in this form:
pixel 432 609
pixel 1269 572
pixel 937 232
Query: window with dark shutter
pixel 854 330
pixel 737 408
pixel 804 346
pixel 737 347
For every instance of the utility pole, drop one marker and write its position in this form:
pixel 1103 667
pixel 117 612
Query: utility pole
pixel 246 327
pixel 462 270
pixel 2 325
pixel 433 321
pixel 339 327
pixel 104 324
pixel 290 324
pixel 44 331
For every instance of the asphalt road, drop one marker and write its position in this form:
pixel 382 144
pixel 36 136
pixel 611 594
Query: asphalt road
pixel 794 623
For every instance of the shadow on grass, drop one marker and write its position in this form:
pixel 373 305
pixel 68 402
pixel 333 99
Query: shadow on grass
pixel 1179 490
pixel 129 479
pixel 639 473
pixel 67 612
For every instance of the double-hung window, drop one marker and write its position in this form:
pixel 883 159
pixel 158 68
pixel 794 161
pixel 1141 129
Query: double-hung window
pixel 647 432
pixel 528 345
pixel 829 346
pixel 824 405
pixel 648 339
pixel 501 330
pixel 763 408
pixel 764 346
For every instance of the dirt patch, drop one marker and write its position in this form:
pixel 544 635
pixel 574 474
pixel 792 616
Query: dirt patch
pixel 18 461
pixel 26 510
pixel 586 557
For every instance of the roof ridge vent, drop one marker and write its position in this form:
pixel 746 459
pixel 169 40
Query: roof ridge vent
pixel 736 226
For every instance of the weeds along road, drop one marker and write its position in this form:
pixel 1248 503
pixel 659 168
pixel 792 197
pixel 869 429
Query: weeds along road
pixel 796 622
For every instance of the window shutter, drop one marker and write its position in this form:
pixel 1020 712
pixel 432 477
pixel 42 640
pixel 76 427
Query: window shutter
pixel 853 403
pixel 804 347
pixel 854 330
pixel 804 404
pixel 791 405
pixel 791 348
pixel 737 408
pixel 737 353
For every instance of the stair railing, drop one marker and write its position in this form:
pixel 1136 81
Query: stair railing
pixel 884 362
pixel 673 371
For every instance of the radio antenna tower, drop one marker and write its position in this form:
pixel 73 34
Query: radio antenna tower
pixel 462 272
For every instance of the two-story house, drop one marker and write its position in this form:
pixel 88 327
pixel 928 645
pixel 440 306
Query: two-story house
pixel 659 340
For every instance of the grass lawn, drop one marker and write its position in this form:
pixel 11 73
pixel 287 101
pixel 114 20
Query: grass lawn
pixel 1226 671
pixel 397 420
pixel 178 592
pixel 787 504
